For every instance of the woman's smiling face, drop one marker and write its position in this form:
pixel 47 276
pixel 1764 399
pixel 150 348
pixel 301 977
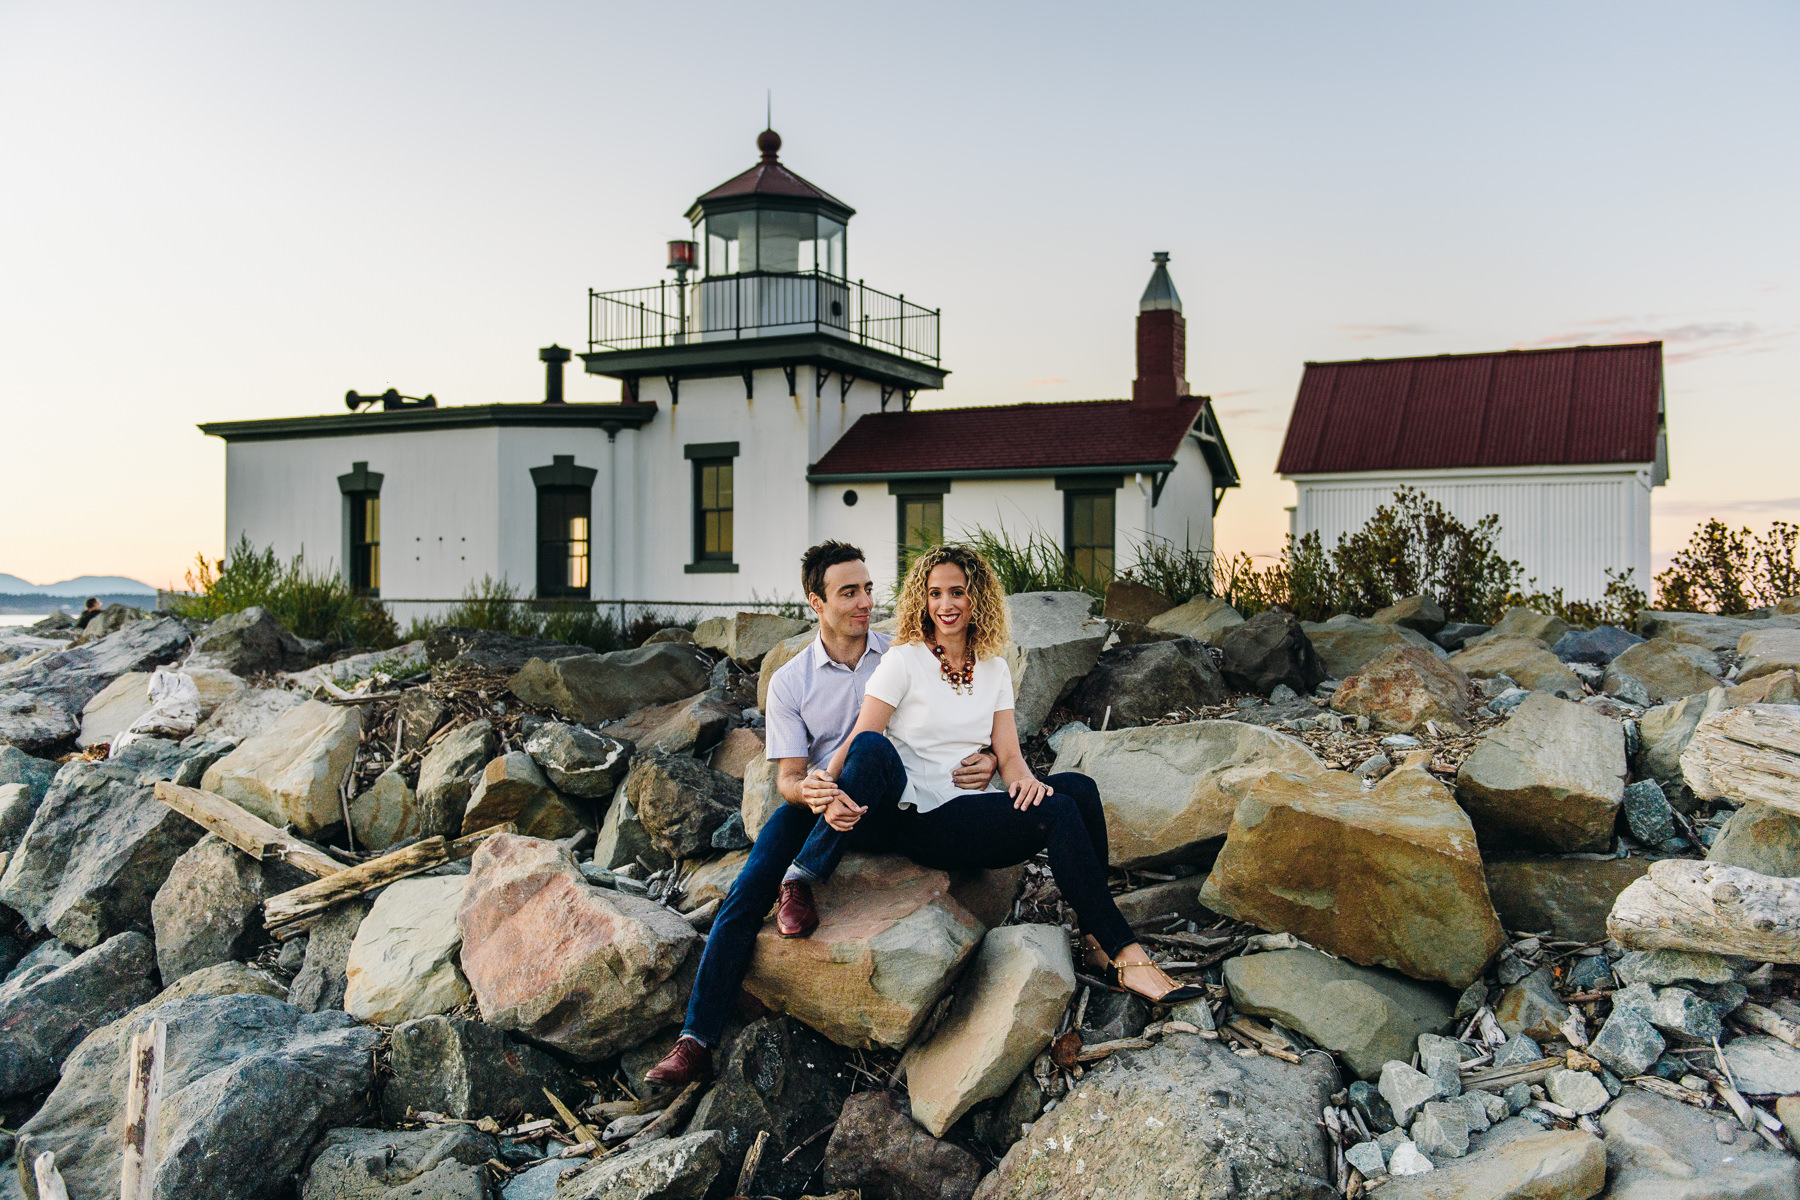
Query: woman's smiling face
pixel 947 599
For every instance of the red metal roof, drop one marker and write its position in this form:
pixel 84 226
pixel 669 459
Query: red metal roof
pixel 769 178
pixel 1012 437
pixel 1566 406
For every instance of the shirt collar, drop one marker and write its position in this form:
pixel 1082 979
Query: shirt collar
pixel 877 645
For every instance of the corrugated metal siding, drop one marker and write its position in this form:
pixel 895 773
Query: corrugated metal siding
pixel 1565 531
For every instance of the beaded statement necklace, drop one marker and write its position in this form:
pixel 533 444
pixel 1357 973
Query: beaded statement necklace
pixel 961 682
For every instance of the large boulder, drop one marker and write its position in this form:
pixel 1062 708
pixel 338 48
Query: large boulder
pixel 1267 651
pixel 42 695
pixel 1767 651
pixel 209 910
pixel 250 642
pixel 877 1150
pixel 1346 644
pixel 780 1077
pixel 511 788
pixel 681 802
pixel 1597 646
pixel 680 1168
pixel 1707 629
pixel 444 1162
pixel 1760 838
pixel 623 841
pixel 448 774
pixel 891 937
pixel 388 813
pixel 1522 622
pixel 578 761
pixel 35 774
pixel 1168 788
pixel 454 647
pixel 43 1016
pixel 746 636
pixel 1664 731
pixel 578 968
pixel 245 714
pixel 762 794
pixel 1133 602
pixel 113 709
pixel 290 775
pixel 402 962
pixel 1523 660
pixel 1404 687
pixel 692 726
pixel 468 1069
pixel 779 656
pixel 1555 773
pixel 97 850
pixel 1206 619
pixel 1364 1013
pixel 1564 1164
pixel 1658 671
pixel 1006 1011
pixel 249 1084
pixel 1570 897
pixel 1137 684
pixel 1055 642
pixel 592 688
pixel 1422 614
pixel 1187 1118
pixel 1389 877
pixel 1659 1149
pixel 736 751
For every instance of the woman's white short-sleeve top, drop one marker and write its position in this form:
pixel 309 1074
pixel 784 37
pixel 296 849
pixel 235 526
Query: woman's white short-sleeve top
pixel 934 727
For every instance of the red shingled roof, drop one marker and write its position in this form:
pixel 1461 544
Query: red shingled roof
pixel 769 178
pixel 1048 437
pixel 1568 406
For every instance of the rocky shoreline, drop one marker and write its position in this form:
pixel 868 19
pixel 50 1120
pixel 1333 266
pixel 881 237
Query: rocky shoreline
pixel 1507 912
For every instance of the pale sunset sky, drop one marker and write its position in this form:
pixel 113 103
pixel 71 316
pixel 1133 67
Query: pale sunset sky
pixel 220 211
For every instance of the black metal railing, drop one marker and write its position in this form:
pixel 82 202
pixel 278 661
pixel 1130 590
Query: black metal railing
pixel 760 304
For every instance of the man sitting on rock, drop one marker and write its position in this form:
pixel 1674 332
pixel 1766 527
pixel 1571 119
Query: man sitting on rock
pixel 812 706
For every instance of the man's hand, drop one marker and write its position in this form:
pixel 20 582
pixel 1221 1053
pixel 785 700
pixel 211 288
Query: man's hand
pixel 974 772
pixel 842 813
pixel 818 790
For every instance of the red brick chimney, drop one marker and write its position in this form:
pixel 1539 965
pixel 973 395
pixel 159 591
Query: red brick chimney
pixel 1161 340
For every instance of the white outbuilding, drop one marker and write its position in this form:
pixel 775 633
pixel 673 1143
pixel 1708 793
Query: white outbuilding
pixel 1563 444
pixel 765 404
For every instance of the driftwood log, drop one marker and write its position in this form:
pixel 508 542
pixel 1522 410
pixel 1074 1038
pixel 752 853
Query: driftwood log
pixel 1747 754
pixel 289 913
pixel 143 1104
pixel 245 830
pixel 1709 908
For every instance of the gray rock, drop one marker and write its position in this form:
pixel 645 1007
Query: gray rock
pixel 1407 1159
pixel 1269 649
pixel 1647 813
pixel 467 1069
pixel 1596 647
pixel 580 762
pixel 209 910
pixel 43 958
pixel 249 643
pixel 1139 684
pixel 1406 1091
pixel 781 1077
pixel 1441 1130
pixel 1555 772
pixel 1660 967
pixel 238 1069
pixel 45 1013
pixel 1589 974
pixel 1055 642
pixel 1658 671
pixel 420 712
pixel 1367 1158
pixel 1627 1043
pixel 41 696
pixel 1441 1059
pixel 1529 623
pixel 673 1169
pixel 1421 614
pixel 321 982
pixel 879 1150
pixel 623 840
pixel 1686 1016
pixel 450 647
pixel 1530 1164
pixel 245 715
pixel 511 788
pixel 681 802
pixel 1763 1066
pixel 448 774
pixel 1517 1050
pixel 1517 1097
pixel 442 1163
pixel 592 688
pixel 1659 1149
pixel 1571 897
pixel 1367 1100
pixel 1577 1090
pixel 997 1128
pixel 97 850
pixel 35 774
pixel 1457 634
pixel 17 806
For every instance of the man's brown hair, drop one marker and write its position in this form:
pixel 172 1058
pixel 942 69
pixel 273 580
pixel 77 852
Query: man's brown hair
pixel 817 559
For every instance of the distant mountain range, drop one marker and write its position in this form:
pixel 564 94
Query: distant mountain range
pixel 79 587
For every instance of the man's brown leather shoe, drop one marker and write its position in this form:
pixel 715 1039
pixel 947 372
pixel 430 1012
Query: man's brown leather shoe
pixel 685 1063
pixel 795 916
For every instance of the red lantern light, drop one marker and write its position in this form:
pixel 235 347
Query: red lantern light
pixel 683 256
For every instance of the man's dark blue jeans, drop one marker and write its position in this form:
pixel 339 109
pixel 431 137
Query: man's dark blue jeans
pixel 974 831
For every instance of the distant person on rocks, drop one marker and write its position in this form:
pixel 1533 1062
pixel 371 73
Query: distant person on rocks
pixel 88 612
pixel 882 750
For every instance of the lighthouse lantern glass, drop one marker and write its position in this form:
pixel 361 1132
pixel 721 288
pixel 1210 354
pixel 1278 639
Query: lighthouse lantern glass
pixel 773 241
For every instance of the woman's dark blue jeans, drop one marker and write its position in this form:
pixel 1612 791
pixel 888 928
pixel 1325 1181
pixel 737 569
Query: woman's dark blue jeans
pixel 975 831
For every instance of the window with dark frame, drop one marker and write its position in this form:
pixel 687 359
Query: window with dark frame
pixel 565 512
pixel 365 542
pixel 1088 524
pixel 921 525
pixel 713 509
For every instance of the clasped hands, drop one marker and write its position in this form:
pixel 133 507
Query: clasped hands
pixel 820 793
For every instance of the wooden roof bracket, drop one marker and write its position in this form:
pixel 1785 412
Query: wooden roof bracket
pixel 845 379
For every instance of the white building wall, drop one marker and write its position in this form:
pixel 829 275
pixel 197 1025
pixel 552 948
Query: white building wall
pixel 1566 526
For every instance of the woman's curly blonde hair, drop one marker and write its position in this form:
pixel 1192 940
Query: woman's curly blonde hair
pixel 988 631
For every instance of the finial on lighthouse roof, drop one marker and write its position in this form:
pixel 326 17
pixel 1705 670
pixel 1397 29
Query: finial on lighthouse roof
pixel 769 142
pixel 1160 294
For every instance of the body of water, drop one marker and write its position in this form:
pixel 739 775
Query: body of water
pixel 21 618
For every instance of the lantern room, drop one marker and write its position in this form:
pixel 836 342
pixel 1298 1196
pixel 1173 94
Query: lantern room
pixel 770 221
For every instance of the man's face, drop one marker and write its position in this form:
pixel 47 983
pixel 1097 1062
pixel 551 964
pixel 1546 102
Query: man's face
pixel 848 600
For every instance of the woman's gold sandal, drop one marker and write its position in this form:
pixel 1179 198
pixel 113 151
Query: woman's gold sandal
pixel 1175 993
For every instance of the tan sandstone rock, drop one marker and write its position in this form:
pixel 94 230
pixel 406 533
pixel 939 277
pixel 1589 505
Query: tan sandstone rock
pixel 1389 877
pixel 1204 618
pixel 779 656
pixel 1528 623
pixel 387 814
pixel 1766 651
pixel 581 969
pixel 1659 670
pixel 1006 1011
pixel 512 788
pixel 1403 688
pixel 402 964
pixel 1346 644
pixel 1554 772
pixel 761 795
pixel 289 774
pixel 1523 660
pixel 737 751
pixel 745 637
pixel 1167 788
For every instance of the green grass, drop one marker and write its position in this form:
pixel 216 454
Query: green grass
pixel 312 603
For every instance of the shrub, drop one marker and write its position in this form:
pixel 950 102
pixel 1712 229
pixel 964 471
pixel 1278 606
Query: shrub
pixel 1037 564
pixel 1724 570
pixel 497 605
pixel 313 604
